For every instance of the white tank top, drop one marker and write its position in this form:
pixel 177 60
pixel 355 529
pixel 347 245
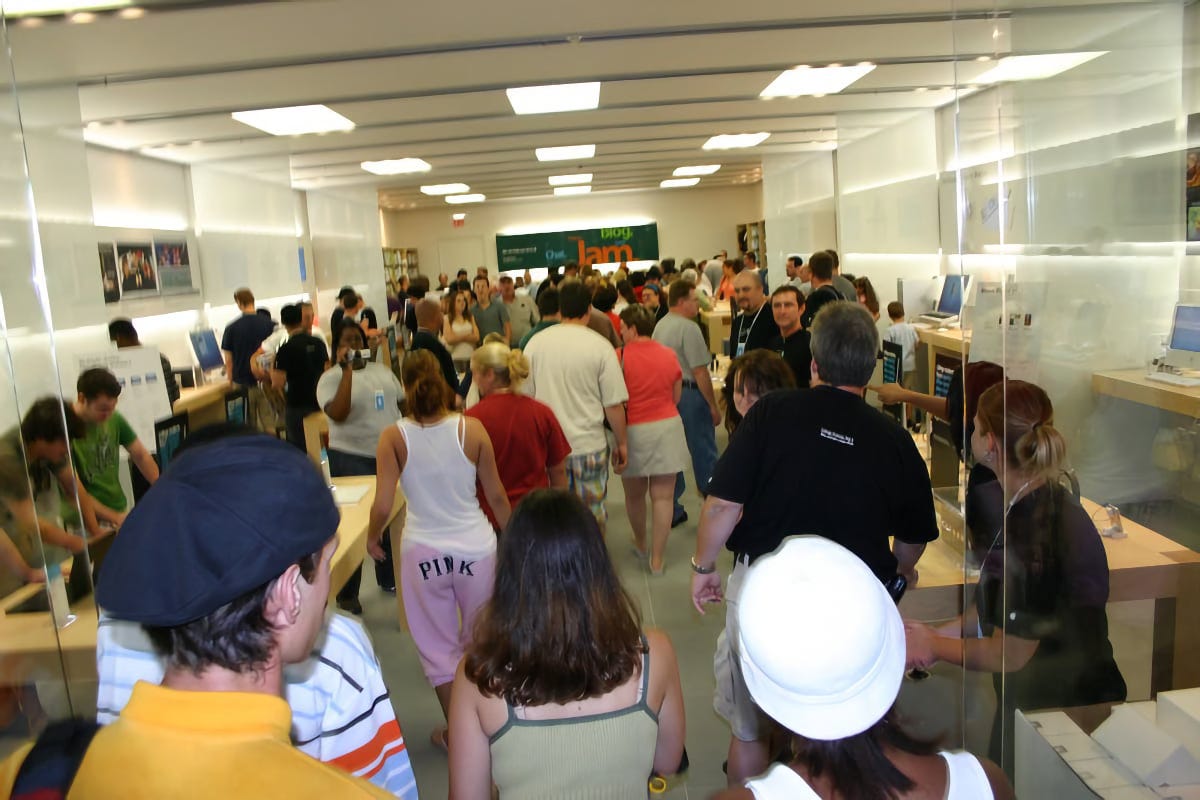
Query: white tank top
pixel 439 486
pixel 966 781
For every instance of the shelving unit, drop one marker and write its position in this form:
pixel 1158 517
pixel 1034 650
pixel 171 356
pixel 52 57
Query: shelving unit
pixel 752 238
pixel 399 261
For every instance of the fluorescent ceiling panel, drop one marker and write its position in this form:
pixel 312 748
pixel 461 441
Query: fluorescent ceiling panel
pixel 564 190
pixel 679 183
pixel 14 8
pixel 806 81
pixel 731 141
pixel 445 188
pixel 570 180
pixel 567 153
pixel 458 199
pixel 550 99
pixel 396 166
pixel 294 120
pixel 702 169
pixel 1033 68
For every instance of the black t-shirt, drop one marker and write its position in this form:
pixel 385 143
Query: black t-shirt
pixel 302 357
pixel 797 353
pixel 815 300
pixel 241 338
pixel 821 461
pixel 424 340
pixel 760 329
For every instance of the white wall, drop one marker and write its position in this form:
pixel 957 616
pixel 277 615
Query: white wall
pixel 799 208
pixel 692 223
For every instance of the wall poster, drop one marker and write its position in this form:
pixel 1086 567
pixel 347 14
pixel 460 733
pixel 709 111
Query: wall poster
pixel 1192 180
pixel 109 278
pixel 135 263
pixel 174 267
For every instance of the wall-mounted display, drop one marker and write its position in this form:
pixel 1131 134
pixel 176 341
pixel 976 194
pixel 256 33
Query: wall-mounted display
pixel 135 264
pixel 592 246
pixel 174 268
pixel 109 279
pixel 1192 179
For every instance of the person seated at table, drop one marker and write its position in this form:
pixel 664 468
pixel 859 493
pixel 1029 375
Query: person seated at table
pixel 226 565
pixel 1039 622
pixel 830 679
pixel 561 693
pixel 105 433
pixel 531 449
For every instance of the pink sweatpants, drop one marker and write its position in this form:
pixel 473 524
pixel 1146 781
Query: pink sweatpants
pixel 442 594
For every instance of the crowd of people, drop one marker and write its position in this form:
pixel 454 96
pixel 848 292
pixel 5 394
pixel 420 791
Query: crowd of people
pixel 514 405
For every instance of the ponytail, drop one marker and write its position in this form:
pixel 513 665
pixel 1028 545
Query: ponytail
pixel 510 366
pixel 1021 415
pixel 1041 451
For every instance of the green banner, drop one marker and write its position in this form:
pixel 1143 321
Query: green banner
pixel 593 246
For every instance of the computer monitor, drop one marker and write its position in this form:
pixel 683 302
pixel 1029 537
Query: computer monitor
pixel 1183 350
pixel 208 354
pixel 954 291
pixel 235 406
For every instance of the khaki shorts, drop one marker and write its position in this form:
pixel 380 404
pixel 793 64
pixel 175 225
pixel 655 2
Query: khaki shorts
pixel 732 700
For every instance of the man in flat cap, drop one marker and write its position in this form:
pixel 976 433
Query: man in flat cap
pixel 225 563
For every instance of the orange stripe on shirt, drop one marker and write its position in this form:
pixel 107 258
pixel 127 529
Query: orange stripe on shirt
pixel 363 756
pixel 384 757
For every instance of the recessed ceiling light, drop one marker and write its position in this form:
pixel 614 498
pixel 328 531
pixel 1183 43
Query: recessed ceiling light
pixel 806 81
pixel 549 99
pixel 564 190
pixel 984 58
pixel 458 199
pixel 565 153
pixel 396 166
pixel 294 120
pixel 82 17
pixel 730 141
pixel 14 8
pixel 1032 68
pixel 32 22
pixel 920 89
pixel 459 216
pixel 679 183
pixel 131 13
pixel 446 188
pixel 570 180
pixel 703 169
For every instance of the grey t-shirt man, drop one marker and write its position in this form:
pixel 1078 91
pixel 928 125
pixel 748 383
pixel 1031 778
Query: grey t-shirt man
pixel 490 319
pixel 683 336
pixel 845 288
pixel 522 312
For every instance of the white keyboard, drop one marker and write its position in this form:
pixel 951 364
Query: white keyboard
pixel 1172 379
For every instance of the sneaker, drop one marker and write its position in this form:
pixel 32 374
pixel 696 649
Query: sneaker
pixel 388 589
pixel 682 518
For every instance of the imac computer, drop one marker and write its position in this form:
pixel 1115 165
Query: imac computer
pixel 950 301
pixel 1183 350
pixel 208 354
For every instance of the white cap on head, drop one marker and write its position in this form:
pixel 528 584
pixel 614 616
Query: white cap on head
pixel 820 642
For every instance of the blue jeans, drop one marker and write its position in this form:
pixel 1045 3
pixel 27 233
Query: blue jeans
pixel 344 465
pixel 701 440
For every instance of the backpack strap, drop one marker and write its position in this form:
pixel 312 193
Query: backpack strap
pixel 50 767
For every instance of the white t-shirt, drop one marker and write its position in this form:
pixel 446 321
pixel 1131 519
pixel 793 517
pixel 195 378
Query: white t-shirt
pixel 575 371
pixel 374 392
pixel 905 335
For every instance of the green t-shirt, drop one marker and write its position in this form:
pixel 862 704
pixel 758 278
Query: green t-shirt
pixel 98 458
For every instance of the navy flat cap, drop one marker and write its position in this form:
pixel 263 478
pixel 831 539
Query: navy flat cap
pixel 225 518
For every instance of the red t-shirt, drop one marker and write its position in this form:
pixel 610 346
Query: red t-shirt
pixel 651 370
pixel 527 439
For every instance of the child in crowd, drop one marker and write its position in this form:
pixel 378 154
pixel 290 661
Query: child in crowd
pixel 905 335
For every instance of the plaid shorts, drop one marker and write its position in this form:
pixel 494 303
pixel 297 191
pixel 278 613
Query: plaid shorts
pixel 587 477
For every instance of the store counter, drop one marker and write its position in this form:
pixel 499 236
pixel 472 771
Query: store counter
pixel 1143 566
pixel 204 405
pixel 1131 384
pixel 30 643
pixel 718 323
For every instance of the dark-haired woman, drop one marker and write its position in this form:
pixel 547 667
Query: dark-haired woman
pixel 448 547
pixel 749 377
pixel 1039 622
pixel 561 693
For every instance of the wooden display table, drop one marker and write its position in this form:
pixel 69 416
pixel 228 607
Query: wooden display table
pixel 30 644
pixel 204 405
pixel 718 323
pixel 1131 384
pixel 1143 566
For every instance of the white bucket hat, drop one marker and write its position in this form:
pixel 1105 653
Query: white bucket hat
pixel 820 641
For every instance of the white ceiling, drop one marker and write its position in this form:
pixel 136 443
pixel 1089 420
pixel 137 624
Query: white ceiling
pixel 427 80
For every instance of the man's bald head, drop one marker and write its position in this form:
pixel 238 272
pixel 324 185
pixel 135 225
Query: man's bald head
pixel 429 314
pixel 748 291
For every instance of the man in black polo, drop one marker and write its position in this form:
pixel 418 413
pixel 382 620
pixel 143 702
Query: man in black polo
pixel 810 461
pixel 754 327
pixel 793 341
pixel 429 324
pixel 299 363
pixel 823 290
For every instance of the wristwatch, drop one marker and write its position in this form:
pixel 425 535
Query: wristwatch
pixel 699 570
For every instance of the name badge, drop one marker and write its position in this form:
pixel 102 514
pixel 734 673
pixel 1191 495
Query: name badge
pixel 741 348
pixel 379 400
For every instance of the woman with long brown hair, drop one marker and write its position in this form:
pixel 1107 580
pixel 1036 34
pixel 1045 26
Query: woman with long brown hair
pixel 459 329
pixel 561 693
pixel 447 550
pixel 1039 621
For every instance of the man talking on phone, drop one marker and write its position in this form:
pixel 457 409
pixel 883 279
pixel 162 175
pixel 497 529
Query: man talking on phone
pixel 360 399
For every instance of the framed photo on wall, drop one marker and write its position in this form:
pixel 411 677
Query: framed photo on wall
pixel 174 266
pixel 110 280
pixel 135 266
